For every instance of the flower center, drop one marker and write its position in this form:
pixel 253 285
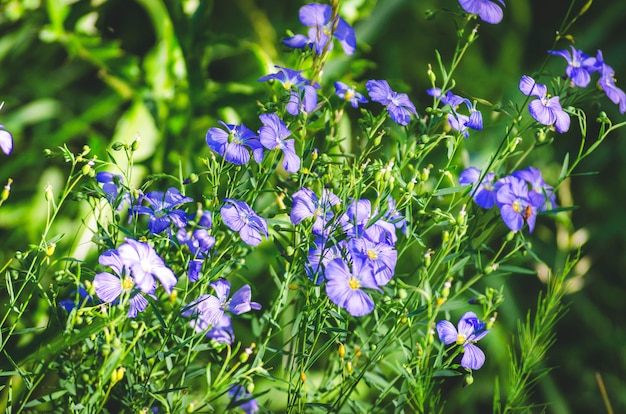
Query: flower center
pixel 235 138
pixel 372 254
pixel 127 283
pixel 460 339
pixel 349 95
pixel 318 212
pixel 353 283
pixel 517 206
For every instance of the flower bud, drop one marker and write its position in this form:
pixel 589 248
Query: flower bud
pixel 302 376
pixel 469 380
pixel 341 350
pixel 431 74
pixel 6 191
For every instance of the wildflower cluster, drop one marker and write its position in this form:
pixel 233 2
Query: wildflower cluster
pixel 315 217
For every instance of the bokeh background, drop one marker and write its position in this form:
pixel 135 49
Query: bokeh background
pixel 93 72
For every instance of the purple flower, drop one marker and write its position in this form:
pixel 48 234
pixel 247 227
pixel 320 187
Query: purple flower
pixel 239 217
pixel 485 193
pixel 516 207
pixel 607 83
pixel 580 66
pixel 109 287
pixel 111 184
pixel 145 265
pixel 199 242
pixel 380 257
pixel 80 298
pixel 545 110
pixel 393 216
pixel 243 399
pixel 398 104
pixel 540 193
pixel 487 10
pixel 349 94
pixel 302 95
pixel 306 204
pixel 209 309
pixel 319 17
pixel 345 287
pixel 162 209
pixel 273 135
pixel 470 330
pixel 233 143
pixel 459 122
pixel 6 140
pixel 357 222
pixel 222 331
pixel 320 254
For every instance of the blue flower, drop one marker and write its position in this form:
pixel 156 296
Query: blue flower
pixel 485 193
pixel 358 222
pixel 243 399
pixel 380 257
pixel 222 331
pixel 319 17
pixel 580 66
pixel 487 10
pixel 208 310
pixel 233 143
pixel 459 122
pixel 239 217
pixel 81 297
pixel 541 194
pixel 344 287
pixel 302 95
pixel 110 286
pixel 607 83
pixel 546 110
pixel 516 207
pixel 320 254
pixel 399 105
pixel 470 330
pixel 306 204
pixel 145 265
pixel 6 139
pixel 162 209
pixel 199 242
pixel 273 135
pixel 349 94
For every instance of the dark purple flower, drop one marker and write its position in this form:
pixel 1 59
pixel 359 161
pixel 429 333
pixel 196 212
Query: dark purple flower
pixel 163 209
pixel 380 257
pixel 344 287
pixel 80 298
pixel 239 217
pixel 233 143
pixel 273 135
pixel 487 10
pixel 243 399
pixel 302 95
pixel 306 204
pixel 145 264
pixel 470 330
pixel 485 193
pixel 349 94
pixel 459 122
pixel 319 17
pixel 399 105
pixel 546 110
pixel 516 207
pixel 109 287
pixel 580 66
pixel 607 83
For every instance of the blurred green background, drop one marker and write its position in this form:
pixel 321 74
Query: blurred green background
pixel 95 72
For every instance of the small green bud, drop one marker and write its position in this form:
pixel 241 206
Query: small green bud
pixel 193 178
pixel 469 379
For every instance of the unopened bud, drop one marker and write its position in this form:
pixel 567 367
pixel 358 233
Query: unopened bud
pixel 341 350
pixel 431 74
pixel 48 192
pixel 469 379
pixel 302 376
pixel 6 191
